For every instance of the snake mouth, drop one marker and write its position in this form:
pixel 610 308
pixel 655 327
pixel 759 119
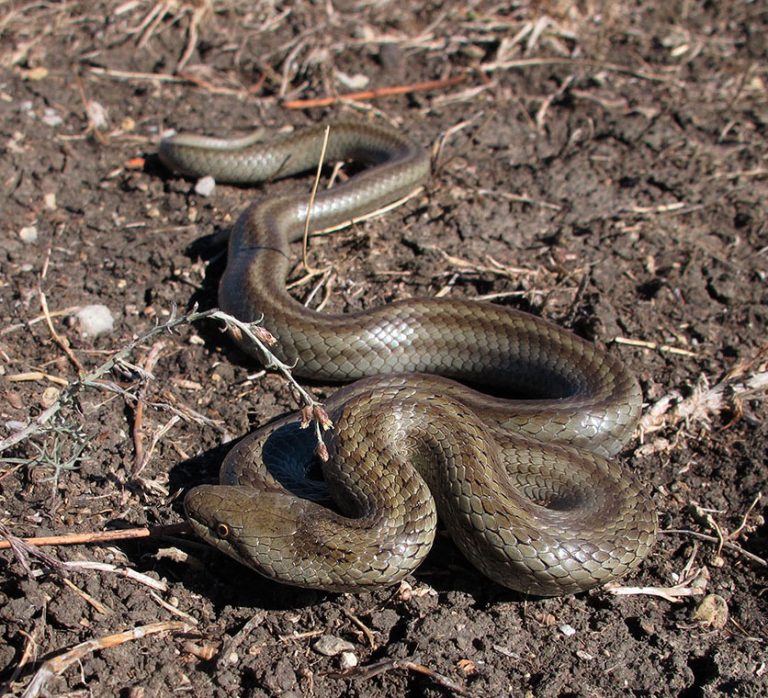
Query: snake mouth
pixel 212 513
pixel 249 525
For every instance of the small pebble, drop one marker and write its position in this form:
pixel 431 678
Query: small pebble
pixel 205 186
pixel 348 660
pixel 51 117
pixel 97 115
pixel 28 234
pixel 14 399
pixel 468 667
pixel 711 612
pixel 49 397
pixel 567 630
pixel 95 320
pixel 647 627
pixel 37 73
pixel 352 82
pixel 330 645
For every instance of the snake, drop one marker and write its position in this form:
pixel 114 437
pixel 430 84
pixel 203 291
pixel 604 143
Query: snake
pixel 498 425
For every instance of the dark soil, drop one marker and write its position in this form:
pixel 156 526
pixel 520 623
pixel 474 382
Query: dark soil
pixel 626 203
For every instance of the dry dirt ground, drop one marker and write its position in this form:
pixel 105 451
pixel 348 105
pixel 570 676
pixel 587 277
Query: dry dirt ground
pixel 603 165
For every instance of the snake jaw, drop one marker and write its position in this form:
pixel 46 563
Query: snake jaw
pixel 240 521
pixel 207 511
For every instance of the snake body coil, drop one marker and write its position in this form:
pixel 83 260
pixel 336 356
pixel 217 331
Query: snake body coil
pixel 525 487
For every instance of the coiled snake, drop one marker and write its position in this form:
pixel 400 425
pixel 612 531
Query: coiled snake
pixel 526 488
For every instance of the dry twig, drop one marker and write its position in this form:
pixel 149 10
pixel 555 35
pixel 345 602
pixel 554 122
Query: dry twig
pixel 100 536
pixel 57 338
pixel 371 670
pixel 140 458
pixel 312 197
pixel 579 62
pixel 374 94
pixel 237 639
pixel 727 544
pixel 59 664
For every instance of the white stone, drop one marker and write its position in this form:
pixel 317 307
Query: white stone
pixel 97 115
pixel 28 234
pixel 95 320
pixel 51 117
pixel 348 660
pixel 205 186
pixel 330 645
pixel 353 82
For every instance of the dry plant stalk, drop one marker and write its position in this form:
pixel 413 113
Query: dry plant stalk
pixel 55 666
pixel 747 380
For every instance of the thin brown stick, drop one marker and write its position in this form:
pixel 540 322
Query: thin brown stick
pixel 30 650
pixel 237 639
pixel 126 572
pixel 103 536
pixel 728 545
pixel 312 196
pixel 60 341
pixel 733 535
pixel 198 14
pixel 371 670
pixel 643 344
pixel 369 635
pixel 531 62
pixel 375 94
pixel 140 459
pixel 95 603
pixel 134 75
pixel 51 314
pixel 59 664
pixel 36 376
pixel 172 609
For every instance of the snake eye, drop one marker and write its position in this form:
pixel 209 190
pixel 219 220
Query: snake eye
pixel 222 530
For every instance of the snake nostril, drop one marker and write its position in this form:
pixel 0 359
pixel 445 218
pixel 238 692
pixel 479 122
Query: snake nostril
pixel 222 530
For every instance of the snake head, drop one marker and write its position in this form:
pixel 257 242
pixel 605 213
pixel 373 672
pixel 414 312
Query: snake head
pixel 249 525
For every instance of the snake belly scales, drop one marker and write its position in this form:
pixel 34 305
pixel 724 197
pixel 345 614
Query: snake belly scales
pixel 527 488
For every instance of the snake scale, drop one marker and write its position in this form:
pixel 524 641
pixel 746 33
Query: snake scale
pixel 527 488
